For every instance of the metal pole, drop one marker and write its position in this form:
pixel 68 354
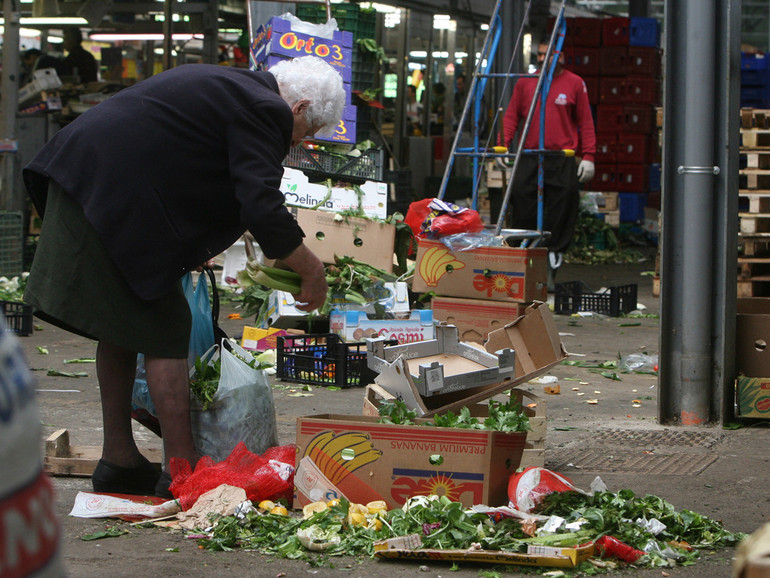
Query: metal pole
pixel 449 94
pixel 211 33
pixel 10 200
pixel 402 57
pixel 728 88
pixel 687 264
pixel 168 38
pixel 639 8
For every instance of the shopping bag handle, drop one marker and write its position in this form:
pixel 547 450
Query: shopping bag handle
pixel 219 333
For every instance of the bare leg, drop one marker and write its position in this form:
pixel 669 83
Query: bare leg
pixel 116 370
pixel 168 382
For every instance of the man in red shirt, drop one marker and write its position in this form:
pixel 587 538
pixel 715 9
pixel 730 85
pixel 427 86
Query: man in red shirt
pixel 569 125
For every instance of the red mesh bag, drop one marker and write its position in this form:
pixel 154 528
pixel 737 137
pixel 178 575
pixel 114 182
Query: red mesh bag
pixel 269 476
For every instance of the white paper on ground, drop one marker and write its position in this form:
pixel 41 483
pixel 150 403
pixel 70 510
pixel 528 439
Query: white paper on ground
pixel 106 506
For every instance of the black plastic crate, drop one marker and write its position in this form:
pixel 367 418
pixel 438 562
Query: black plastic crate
pixel 11 243
pixel 575 296
pixel 367 167
pixel 322 359
pixel 18 317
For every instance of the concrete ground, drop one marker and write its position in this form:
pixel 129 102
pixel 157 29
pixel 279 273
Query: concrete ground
pixel 717 472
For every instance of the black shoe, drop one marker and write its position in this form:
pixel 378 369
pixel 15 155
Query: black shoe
pixel 161 488
pixel 112 479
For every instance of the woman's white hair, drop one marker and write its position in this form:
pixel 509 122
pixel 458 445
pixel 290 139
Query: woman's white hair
pixel 310 78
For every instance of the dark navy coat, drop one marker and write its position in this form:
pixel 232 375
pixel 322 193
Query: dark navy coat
pixel 171 171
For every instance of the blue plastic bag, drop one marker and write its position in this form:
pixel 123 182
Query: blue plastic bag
pixel 202 333
pixel 201 338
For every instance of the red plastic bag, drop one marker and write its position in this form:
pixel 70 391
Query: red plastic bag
pixel 612 547
pixel 416 215
pixel 269 476
pixel 434 218
pixel 527 489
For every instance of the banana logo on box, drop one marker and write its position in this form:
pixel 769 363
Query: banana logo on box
pixel 339 455
pixel 437 262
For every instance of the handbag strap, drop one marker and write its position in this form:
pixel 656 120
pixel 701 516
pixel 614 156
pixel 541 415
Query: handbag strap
pixel 219 333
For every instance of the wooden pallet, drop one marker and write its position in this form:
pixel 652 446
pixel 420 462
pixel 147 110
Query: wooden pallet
pixel 754 287
pixel 753 267
pixel 755 118
pixel 752 223
pixel 755 245
pixel 759 200
pixel 755 138
pixel 756 159
pixel 754 179
pixel 62 459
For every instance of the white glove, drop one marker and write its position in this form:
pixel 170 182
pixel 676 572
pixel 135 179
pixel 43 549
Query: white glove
pixel 585 171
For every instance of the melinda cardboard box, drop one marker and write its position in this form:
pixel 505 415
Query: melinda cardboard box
pixel 300 192
pixel 362 460
pixel 496 273
pixel 475 318
pixel 328 235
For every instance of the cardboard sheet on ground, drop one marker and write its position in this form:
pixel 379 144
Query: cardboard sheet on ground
pixel 407 548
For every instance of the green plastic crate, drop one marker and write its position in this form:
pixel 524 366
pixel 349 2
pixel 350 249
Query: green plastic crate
pixel 349 17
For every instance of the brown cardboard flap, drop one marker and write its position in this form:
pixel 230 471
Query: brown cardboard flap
pixel 535 340
pixel 752 337
pixel 534 337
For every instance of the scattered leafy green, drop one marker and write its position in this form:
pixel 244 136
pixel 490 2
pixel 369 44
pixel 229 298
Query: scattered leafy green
pixel 596 242
pixel 57 373
pixel 444 524
pixel 616 514
pixel 396 412
pixel 111 532
pixel 13 289
pixel 506 417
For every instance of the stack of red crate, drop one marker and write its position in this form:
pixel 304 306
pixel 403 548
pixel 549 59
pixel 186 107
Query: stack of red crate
pixel 620 61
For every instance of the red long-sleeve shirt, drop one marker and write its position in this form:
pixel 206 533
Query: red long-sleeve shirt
pixel 568 122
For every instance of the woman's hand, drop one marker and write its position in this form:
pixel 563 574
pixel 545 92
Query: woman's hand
pixel 207 265
pixel 314 287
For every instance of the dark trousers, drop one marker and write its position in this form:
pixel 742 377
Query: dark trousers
pixel 561 199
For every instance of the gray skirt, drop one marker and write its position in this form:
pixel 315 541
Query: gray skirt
pixel 75 285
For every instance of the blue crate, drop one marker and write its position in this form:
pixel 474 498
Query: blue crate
pixel 632 206
pixel 654 182
pixel 755 77
pixel 644 32
pixel 755 94
pixel 753 61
